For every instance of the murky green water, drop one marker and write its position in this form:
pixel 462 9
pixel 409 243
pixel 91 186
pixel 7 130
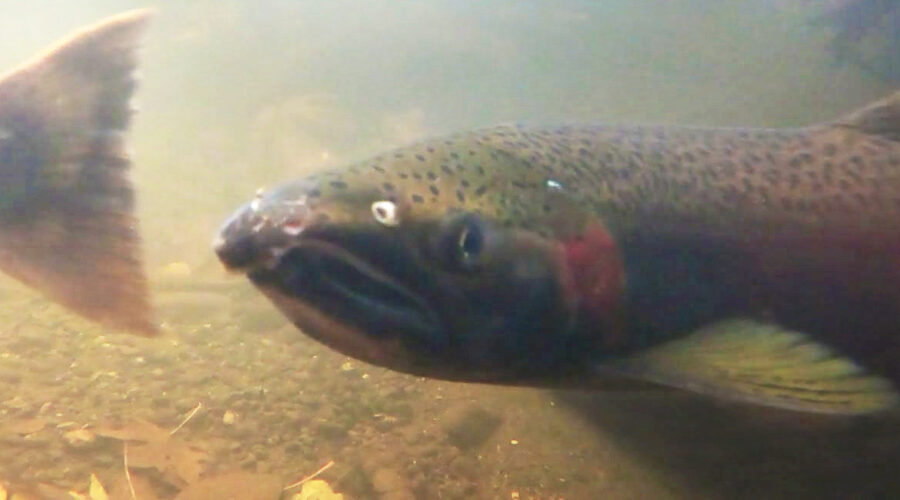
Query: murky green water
pixel 237 95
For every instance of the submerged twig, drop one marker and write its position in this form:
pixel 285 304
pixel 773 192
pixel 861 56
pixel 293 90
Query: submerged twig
pixel 127 472
pixel 188 417
pixel 311 476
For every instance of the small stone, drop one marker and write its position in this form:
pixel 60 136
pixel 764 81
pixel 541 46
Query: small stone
pixel 79 438
pixel 176 270
pixel 228 417
pixel 249 461
pixel 471 428
pixel 385 480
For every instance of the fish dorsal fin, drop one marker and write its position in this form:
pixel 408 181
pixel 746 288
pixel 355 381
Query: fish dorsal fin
pixel 66 205
pixel 879 118
pixel 764 364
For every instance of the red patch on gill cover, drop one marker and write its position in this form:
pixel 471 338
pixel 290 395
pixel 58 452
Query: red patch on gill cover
pixel 595 276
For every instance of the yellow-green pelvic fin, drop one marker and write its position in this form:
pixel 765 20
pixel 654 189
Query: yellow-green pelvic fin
pixel 764 364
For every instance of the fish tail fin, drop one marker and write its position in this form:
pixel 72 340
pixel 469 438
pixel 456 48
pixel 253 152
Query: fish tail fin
pixel 67 226
pixel 880 118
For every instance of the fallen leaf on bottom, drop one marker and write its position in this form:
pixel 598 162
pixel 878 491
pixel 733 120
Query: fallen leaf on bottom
pixel 178 462
pixel 234 485
pixel 317 489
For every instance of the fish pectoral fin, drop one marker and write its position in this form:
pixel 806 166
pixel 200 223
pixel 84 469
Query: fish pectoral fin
pixel 764 364
pixel 879 118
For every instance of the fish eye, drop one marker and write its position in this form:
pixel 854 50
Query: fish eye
pixel 464 243
pixel 471 241
pixel 385 212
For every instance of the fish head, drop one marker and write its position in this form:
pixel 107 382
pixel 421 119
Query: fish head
pixel 423 267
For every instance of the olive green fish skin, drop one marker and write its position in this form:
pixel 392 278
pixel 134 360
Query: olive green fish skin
pixel 796 226
pixel 818 181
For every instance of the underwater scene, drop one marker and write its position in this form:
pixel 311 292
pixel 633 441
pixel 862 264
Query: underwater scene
pixel 629 249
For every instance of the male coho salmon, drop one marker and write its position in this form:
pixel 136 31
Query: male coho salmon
pixel 760 265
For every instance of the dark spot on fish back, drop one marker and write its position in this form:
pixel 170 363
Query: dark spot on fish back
pixel 434 190
pixel 338 184
pixel 417 199
pixel 800 159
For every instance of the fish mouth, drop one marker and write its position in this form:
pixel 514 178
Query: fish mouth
pixel 349 289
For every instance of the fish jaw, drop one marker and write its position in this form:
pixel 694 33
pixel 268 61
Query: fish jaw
pixel 281 240
pixel 388 290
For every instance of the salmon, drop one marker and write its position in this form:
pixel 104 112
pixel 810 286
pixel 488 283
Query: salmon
pixel 67 223
pixel 757 265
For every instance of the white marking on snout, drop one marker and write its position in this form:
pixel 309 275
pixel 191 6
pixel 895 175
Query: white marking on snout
pixel 275 255
pixel 299 202
pixel 385 212
pixel 218 242
pixel 292 228
pixel 277 252
pixel 257 199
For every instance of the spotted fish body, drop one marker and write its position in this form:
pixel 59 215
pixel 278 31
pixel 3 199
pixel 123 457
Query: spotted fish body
pixel 533 255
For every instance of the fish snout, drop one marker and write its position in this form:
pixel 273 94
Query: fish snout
pixel 259 233
pixel 236 243
pixel 237 253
